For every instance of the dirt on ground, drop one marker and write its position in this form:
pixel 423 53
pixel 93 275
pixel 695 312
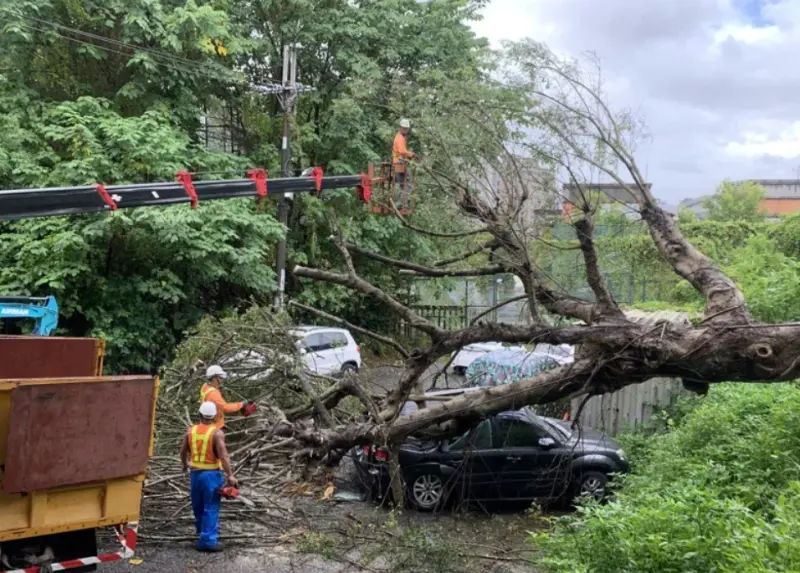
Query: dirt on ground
pixel 309 535
pixel 345 537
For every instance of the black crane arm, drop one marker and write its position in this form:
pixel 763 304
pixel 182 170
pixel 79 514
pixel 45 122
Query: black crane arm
pixel 54 201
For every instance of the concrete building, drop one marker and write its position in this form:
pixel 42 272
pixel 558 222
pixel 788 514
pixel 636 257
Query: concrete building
pixel 613 192
pixel 782 198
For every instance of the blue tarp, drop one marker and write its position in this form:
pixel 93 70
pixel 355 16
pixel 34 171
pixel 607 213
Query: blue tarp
pixel 504 366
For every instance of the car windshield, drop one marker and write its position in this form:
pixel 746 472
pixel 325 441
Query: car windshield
pixel 561 430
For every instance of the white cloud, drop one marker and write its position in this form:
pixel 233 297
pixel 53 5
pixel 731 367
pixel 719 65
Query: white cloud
pixel 719 88
pixel 785 144
pixel 748 34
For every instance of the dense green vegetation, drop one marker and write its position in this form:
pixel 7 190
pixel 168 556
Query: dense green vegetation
pixel 134 91
pixel 716 483
pixel 762 257
pixel 721 492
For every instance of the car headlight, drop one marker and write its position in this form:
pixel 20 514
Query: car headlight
pixel 621 453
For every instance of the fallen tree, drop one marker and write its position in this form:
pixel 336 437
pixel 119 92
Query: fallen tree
pixel 571 136
pixel 578 136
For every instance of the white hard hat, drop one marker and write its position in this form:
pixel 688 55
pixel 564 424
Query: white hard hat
pixel 208 410
pixel 404 123
pixel 215 370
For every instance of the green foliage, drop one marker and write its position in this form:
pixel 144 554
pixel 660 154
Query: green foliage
pixel 769 279
pixel 139 278
pixel 735 202
pixel 136 278
pixel 762 257
pixel 719 493
pixel 118 91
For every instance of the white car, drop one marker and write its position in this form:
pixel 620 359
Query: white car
pixel 327 350
pixel 469 353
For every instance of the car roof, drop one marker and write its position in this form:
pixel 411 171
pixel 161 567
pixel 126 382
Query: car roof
pixel 306 329
pixel 524 414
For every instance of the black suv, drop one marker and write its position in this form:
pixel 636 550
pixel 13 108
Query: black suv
pixel 511 456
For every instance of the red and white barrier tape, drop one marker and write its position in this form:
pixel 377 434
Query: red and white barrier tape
pixel 126 534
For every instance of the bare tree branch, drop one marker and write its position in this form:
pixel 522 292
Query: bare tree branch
pixel 490 244
pixel 430 233
pixel 724 300
pixel 422 270
pixel 585 230
pixel 476 272
pixel 360 285
pixel 324 416
pixel 493 308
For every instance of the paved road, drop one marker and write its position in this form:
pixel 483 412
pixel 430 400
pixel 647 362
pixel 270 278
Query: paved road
pixel 182 558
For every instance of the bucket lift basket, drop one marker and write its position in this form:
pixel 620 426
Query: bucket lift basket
pixel 391 188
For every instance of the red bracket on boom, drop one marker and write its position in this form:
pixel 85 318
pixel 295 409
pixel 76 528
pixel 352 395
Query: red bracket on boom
pixel 364 191
pixel 101 190
pixel 185 179
pixel 316 173
pixel 259 177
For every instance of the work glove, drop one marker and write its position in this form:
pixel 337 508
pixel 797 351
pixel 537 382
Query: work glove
pixel 248 408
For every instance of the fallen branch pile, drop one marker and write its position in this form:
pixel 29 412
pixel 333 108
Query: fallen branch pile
pixel 273 464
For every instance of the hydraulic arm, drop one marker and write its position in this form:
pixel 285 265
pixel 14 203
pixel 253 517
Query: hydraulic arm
pixel 43 310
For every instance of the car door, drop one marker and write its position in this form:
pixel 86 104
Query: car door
pixel 476 463
pixel 529 469
pixel 314 358
pixel 338 342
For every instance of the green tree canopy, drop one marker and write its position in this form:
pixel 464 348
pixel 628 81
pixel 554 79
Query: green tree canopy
pixel 134 91
pixel 736 202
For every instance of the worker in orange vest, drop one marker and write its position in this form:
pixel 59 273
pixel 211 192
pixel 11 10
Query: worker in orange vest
pixel 203 450
pixel 400 157
pixel 210 392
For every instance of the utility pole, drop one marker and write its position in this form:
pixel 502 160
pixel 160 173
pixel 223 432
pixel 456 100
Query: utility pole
pixel 289 80
pixel 287 94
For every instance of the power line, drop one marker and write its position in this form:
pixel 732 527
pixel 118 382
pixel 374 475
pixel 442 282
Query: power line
pixel 155 52
pixel 176 63
pixel 173 67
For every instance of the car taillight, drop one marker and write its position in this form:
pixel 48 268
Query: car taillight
pixel 366 450
pixel 358 349
pixel 381 455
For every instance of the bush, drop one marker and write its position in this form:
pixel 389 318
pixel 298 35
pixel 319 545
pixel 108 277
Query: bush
pixel 718 493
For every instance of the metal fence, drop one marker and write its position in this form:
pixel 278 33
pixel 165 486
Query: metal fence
pixel 453 317
pixel 629 407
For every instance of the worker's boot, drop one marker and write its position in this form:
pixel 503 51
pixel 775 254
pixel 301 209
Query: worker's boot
pixel 215 549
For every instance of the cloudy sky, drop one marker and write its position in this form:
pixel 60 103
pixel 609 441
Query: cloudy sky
pixel 717 81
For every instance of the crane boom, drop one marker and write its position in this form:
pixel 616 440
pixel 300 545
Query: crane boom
pixel 54 201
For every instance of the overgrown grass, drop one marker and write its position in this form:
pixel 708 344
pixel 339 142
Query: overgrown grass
pixel 718 493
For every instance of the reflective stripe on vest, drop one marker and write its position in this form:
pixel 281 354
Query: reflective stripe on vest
pixel 202 449
pixel 206 392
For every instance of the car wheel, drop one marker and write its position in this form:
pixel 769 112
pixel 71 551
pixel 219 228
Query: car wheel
pixel 591 485
pixel 426 492
pixel 349 367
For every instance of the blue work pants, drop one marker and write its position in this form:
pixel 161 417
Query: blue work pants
pixel 206 499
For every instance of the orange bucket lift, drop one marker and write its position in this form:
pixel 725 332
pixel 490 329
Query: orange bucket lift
pixel 388 191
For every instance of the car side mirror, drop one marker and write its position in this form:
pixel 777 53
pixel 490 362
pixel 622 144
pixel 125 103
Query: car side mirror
pixel 547 442
pixel 303 350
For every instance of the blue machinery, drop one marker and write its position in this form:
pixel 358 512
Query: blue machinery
pixel 42 310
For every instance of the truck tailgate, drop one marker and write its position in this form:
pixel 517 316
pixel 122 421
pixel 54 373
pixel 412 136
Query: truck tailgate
pixel 73 452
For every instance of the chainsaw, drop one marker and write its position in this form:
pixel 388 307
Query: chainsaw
pixel 230 492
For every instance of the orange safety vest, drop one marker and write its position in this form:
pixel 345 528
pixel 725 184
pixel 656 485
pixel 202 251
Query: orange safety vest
pixel 400 154
pixel 210 394
pixel 201 448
